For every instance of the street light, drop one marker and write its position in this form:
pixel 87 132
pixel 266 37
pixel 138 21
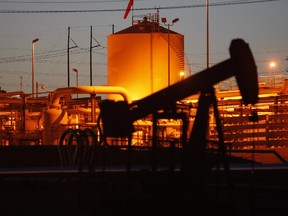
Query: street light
pixel 33 44
pixel 272 65
pixel 164 20
pixel 76 71
pixel 207 33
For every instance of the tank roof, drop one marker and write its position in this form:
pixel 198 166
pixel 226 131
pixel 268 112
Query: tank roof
pixel 145 26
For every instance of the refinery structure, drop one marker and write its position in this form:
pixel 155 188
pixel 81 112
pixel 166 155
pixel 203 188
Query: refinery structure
pixel 142 60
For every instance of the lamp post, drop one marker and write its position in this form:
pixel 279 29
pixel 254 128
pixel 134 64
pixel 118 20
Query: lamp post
pixel 164 20
pixel 33 44
pixel 272 65
pixel 207 33
pixel 76 71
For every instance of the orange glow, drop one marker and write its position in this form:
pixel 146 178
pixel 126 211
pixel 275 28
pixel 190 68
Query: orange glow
pixel 182 74
pixel 272 64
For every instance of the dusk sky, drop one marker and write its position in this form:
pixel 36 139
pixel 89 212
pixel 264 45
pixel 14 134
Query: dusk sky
pixel 261 23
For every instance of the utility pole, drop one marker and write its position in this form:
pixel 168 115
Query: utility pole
pixel 91 47
pixel 68 56
pixel 68 59
pixel 90 55
pixel 207 32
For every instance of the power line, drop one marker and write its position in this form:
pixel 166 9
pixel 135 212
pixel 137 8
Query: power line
pixel 60 2
pixel 142 9
pixel 46 55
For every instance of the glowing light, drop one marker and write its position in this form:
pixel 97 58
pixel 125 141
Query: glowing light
pixel 182 74
pixel 272 64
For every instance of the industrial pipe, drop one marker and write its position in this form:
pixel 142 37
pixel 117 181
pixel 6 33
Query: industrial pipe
pixel 88 90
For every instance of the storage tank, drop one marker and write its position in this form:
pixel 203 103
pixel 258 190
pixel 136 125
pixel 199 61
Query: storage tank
pixel 138 58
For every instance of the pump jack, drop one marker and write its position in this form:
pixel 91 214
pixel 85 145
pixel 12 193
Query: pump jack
pixel 195 163
pixel 241 65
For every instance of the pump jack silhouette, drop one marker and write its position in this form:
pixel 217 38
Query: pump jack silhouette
pixel 118 117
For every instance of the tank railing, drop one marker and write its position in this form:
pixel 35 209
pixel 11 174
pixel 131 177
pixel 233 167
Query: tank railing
pixel 177 49
pixel 152 18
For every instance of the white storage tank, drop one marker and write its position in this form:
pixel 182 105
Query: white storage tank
pixel 138 58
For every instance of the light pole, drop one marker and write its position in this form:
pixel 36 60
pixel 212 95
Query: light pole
pixel 272 65
pixel 207 33
pixel 76 71
pixel 33 44
pixel 164 20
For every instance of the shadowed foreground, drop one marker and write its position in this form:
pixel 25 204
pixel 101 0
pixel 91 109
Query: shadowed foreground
pixel 60 192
